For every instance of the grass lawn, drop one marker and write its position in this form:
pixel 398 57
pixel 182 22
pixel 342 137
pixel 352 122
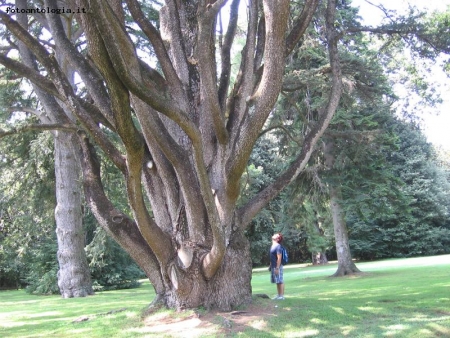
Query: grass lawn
pixel 392 298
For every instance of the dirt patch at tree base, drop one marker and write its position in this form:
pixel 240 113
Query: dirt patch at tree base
pixel 196 323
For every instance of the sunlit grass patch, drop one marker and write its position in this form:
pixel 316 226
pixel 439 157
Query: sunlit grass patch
pixel 393 298
pixel 400 300
pixel 24 315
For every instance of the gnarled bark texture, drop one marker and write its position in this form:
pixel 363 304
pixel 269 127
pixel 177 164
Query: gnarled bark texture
pixel 183 133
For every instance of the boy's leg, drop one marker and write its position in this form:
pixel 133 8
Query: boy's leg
pixel 280 289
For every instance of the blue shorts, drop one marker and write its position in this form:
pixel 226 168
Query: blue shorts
pixel 277 279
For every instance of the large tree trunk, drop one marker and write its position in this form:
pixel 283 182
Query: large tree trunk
pixel 179 279
pixel 74 279
pixel 346 266
pixel 229 287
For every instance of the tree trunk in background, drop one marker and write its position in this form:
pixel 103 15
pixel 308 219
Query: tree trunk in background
pixel 74 279
pixel 319 258
pixel 345 262
pixel 73 276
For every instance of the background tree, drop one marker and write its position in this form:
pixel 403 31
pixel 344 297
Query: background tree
pixel 304 90
pixel 359 179
pixel 73 274
pixel 28 244
pixel 406 59
pixel 418 223
pixel 28 254
pixel 27 198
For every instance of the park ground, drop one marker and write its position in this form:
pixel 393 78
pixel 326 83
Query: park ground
pixel 391 298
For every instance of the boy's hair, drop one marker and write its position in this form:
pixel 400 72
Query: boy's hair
pixel 279 237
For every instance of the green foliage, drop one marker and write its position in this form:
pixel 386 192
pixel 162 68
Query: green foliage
pixel 28 231
pixel 111 267
pixel 316 224
pixel 26 198
pixel 42 268
pixel 28 244
pixel 391 211
pixel 260 172
pixel 418 224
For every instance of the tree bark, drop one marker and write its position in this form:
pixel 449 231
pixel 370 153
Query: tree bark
pixel 319 258
pixel 74 279
pixel 346 266
pixel 229 288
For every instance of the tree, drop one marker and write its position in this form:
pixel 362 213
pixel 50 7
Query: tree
pixel 304 89
pixel 28 243
pixel 396 230
pixel 183 130
pixel 417 223
pixel 27 240
pixel 353 150
pixel 185 135
pixel 73 274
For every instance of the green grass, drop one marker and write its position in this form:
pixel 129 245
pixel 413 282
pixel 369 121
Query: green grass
pixel 23 315
pixel 393 298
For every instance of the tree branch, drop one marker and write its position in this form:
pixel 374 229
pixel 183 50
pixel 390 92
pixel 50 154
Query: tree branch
pixel 247 212
pixel 32 75
pixel 116 223
pixel 89 75
pixel 300 25
pixel 152 233
pixel 225 53
pixel 280 126
pixel 36 127
pixel 262 101
pixel 32 43
pixel 157 138
pixel 260 43
pixel 125 62
pixel 171 33
pixel 207 71
pixel 420 34
pixel 64 94
pixel 245 82
pixel 157 43
pixel 78 109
